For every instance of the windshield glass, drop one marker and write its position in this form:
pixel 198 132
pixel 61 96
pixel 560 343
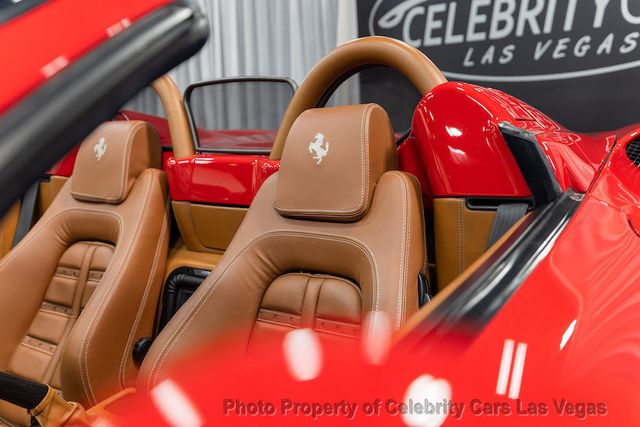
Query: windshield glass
pixel 238 114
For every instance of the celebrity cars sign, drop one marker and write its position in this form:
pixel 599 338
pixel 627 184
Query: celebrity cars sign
pixel 530 47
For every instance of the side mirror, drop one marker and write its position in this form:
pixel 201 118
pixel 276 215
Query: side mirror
pixel 237 115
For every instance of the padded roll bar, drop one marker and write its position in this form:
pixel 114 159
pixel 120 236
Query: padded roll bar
pixel 349 58
pixel 179 128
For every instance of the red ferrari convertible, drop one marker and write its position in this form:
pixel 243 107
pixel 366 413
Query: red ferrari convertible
pixel 316 267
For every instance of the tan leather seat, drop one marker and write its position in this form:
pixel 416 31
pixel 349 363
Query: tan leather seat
pixel 81 288
pixel 8 225
pixel 335 234
pixel 461 237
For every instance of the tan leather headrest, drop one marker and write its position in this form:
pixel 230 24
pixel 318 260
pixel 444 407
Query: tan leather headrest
pixel 332 160
pixel 111 158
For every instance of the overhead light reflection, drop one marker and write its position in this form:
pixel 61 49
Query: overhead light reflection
pixel 454 132
pixel 567 334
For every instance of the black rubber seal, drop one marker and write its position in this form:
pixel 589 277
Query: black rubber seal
pixel 57 116
pixel 10 10
pixel 533 164
pixel 180 285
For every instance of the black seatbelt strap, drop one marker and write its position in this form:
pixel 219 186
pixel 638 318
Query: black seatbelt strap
pixel 27 211
pixel 506 217
pixel 424 291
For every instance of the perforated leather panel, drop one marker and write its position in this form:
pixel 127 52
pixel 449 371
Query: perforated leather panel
pixel 38 356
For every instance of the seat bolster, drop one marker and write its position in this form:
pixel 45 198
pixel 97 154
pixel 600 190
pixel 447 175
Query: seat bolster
pixel 97 360
pixel 26 273
pixel 401 249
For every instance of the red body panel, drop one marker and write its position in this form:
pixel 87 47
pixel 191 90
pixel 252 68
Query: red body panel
pixel 464 153
pixel 160 123
pixel 590 277
pixel 218 178
pixel 65 166
pixel 55 34
pixel 409 161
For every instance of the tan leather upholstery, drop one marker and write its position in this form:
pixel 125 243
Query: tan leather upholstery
pixel 48 191
pixel 461 235
pixel 281 273
pixel 113 407
pixel 207 228
pixel 120 164
pixel 327 192
pixel 54 411
pixel 171 99
pixel 8 227
pixel 180 256
pixel 330 305
pixel 80 289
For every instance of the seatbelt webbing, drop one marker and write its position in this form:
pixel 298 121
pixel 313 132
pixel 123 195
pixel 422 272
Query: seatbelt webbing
pixel 27 211
pixel 506 217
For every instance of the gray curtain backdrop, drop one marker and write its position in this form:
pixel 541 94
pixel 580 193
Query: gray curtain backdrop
pixel 265 37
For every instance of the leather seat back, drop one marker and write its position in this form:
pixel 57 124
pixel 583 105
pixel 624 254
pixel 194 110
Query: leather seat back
pixel 334 235
pixel 81 288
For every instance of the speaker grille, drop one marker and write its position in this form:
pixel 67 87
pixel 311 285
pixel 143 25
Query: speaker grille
pixel 633 151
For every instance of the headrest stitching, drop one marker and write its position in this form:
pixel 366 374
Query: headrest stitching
pixel 364 178
pixel 125 160
pixel 364 123
pixel 125 167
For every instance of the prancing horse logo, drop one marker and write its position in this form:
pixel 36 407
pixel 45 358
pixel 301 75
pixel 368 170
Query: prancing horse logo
pixel 316 147
pixel 100 148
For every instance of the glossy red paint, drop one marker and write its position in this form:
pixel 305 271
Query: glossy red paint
pixel 65 166
pixel 234 179
pixel 226 179
pixel 46 39
pixel 464 154
pixel 159 123
pixel 579 319
pixel 218 178
pixel 409 161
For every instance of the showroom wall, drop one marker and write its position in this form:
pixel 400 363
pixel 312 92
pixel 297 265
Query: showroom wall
pixel 265 37
pixel 577 61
